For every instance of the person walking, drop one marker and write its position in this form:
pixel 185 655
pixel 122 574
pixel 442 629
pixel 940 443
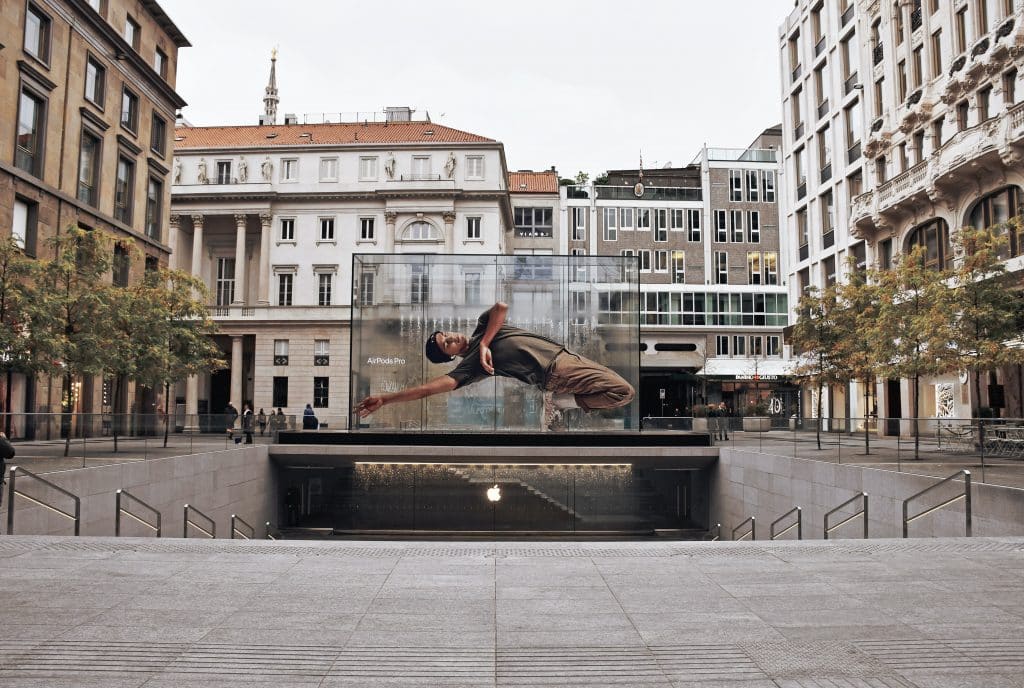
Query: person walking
pixel 723 421
pixel 261 420
pixel 309 421
pixel 230 416
pixel 248 423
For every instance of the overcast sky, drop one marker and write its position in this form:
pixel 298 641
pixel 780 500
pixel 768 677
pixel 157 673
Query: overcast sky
pixel 584 85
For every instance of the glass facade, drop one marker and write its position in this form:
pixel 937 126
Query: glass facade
pixel 588 304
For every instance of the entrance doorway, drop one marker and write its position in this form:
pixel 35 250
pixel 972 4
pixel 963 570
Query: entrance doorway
pixel 893 407
pixel 220 395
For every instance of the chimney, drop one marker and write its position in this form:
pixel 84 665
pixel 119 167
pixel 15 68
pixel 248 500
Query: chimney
pixel 291 118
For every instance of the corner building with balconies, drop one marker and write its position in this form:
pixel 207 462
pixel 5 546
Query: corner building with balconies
pixel 902 123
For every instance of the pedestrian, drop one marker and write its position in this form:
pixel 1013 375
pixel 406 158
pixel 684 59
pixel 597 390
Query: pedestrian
pixel 6 454
pixel 723 421
pixel 230 416
pixel 280 423
pixel 248 421
pixel 309 420
pixel 261 420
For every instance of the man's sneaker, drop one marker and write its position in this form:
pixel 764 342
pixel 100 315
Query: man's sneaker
pixel 551 413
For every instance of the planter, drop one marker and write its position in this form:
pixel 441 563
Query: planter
pixel 700 425
pixel 757 424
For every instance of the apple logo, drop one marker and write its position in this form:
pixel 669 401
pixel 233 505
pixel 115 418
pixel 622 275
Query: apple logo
pixel 494 493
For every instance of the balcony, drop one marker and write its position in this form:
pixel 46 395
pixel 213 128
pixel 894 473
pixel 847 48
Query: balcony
pixel 651 193
pixel 822 108
pixel 851 84
pixel 225 315
pixel 743 154
pixel 826 173
pixel 801 189
pixel 428 182
pixel 798 72
pixel 915 19
pixel 798 131
pixel 847 15
pixel 828 239
pixel 805 251
pixel 577 192
pixel 877 54
pixel 853 153
pixel 819 47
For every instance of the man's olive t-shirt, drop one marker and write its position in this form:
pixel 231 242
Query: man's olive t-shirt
pixel 515 353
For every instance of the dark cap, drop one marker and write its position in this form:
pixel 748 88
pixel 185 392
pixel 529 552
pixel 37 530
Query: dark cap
pixel 433 351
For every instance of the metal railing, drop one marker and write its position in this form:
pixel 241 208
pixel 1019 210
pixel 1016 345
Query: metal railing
pixel 270 533
pixel 12 491
pixel 752 532
pixel 966 496
pixel 862 513
pixel 211 533
pixel 718 533
pixel 118 499
pixel 235 531
pixel 798 524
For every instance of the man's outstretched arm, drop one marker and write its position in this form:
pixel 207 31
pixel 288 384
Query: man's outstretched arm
pixel 495 320
pixel 439 385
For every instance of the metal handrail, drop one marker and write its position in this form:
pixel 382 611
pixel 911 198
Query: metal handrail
pixel 966 496
pixel 12 492
pixel 752 532
pixel 718 533
pixel 212 533
pixel 121 510
pixel 270 535
pixel 239 519
pixel 863 512
pixel 798 524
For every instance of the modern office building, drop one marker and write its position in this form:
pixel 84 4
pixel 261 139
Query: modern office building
pixel 901 123
pixel 87 115
pixel 711 261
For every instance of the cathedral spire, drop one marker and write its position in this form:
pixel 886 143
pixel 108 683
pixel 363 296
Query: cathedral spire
pixel 270 99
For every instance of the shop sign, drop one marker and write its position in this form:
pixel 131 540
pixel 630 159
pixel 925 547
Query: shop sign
pixel 385 361
pixel 757 377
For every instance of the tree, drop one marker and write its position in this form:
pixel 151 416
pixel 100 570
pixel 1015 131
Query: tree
pixel 582 178
pixel 816 338
pixel 984 317
pixel 17 302
pixel 912 328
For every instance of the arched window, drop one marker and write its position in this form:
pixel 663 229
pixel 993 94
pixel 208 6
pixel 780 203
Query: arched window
pixel 995 209
pixel 421 231
pixel 934 236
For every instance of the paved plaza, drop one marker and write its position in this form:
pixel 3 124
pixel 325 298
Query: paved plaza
pixel 930 613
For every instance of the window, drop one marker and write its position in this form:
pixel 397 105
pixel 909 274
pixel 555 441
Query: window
pixel 897 22
pixel 901 81
pixel 853 125
pixel 678 267
pixel 996 209
pixel 280 354
pixel 960 27
pixel 916 66
pixel 160 63
pixel 280 395
pixel 366 229
pixel 129 110
pixel 936 50
pixel 962 110
pixel 934 237
pixel 473 228
pixel 918 148
pixel 95 81
pixel 421 231
pixel 285 283
pixel 124 186
pixel 37 34
pixel 693 224
pixel 661 261
pixel 1010 87
pixel 800 167
pixel 325 282
pixel 721 267
pixel 580 272
pixel 802 231
pixel 885 254
pixel 23 227
pixel 739 345
pixel 981 25
pixel 579 224
pixel 472 288
pixel 735 185
pixel 610 218
pixel 533 222
pixel 626 217
pixel 31 126
pixel 984 99
pixel 120 266
pixel 152 264
pixel 421 167
pixel 474 167
pixel 289 169
pixel 321 352
pixel 643 219
pixel 880 169
pixel 753 226
pixel 419 285
pixel 774 347
pixel 824 154
pixel 661 225
pixel 326 229
pixel 225 281
pixel 771 268
pixel 677 222
pixel 753 267
pixel 736 221
pixel 366 284
pixel 879 99
pixel 752 186
pixel 756 345
pixel 328 169
pixel 89 168
pixel 132 32
pixel 721 345
pixel 828 213
pixel 158 135
pixel 645 260
pixel 154 207
pixel 287 229
pixel 368 168
pixel 721 227
pixel 768 186
pixel 223 171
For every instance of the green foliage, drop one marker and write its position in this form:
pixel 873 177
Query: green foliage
pixel 756 408
pixel 18 302
pixel 582 178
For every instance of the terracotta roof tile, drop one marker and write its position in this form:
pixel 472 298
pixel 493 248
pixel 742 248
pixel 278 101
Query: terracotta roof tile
pixel 533 182
pixel 259 136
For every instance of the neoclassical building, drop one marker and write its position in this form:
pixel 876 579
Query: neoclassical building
pixel 903 121
pixel 269 217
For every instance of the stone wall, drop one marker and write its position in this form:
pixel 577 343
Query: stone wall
pixel 765 486
pixel 235 481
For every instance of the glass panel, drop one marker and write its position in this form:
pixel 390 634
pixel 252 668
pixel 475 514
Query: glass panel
pixel 592 312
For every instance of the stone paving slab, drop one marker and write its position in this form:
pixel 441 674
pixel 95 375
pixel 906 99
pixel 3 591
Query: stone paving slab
pixel 137 613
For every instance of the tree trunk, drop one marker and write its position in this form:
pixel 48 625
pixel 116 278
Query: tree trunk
pixel 976 407
pixel 817 426
pixel 7 402
pixel 167 410
pixel 66 412
pixel 917 433
pixel 115 425
pixel 867 415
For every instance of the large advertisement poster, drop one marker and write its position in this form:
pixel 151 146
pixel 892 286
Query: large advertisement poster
pixel 565 357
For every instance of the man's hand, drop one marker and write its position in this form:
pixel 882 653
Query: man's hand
pixel 369 405
pixel 486 362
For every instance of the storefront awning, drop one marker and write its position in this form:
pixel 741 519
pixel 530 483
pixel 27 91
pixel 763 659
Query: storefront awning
pixel 747 368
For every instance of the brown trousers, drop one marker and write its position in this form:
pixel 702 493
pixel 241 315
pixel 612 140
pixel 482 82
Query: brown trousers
pixel 593 385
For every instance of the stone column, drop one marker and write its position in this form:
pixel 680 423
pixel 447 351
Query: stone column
pixel 172 240
pixel 236 372
pixel 449 228
pixel 192 403
pixel 389 238
pixel 197 246
pixel 239 299
pixel 264 286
